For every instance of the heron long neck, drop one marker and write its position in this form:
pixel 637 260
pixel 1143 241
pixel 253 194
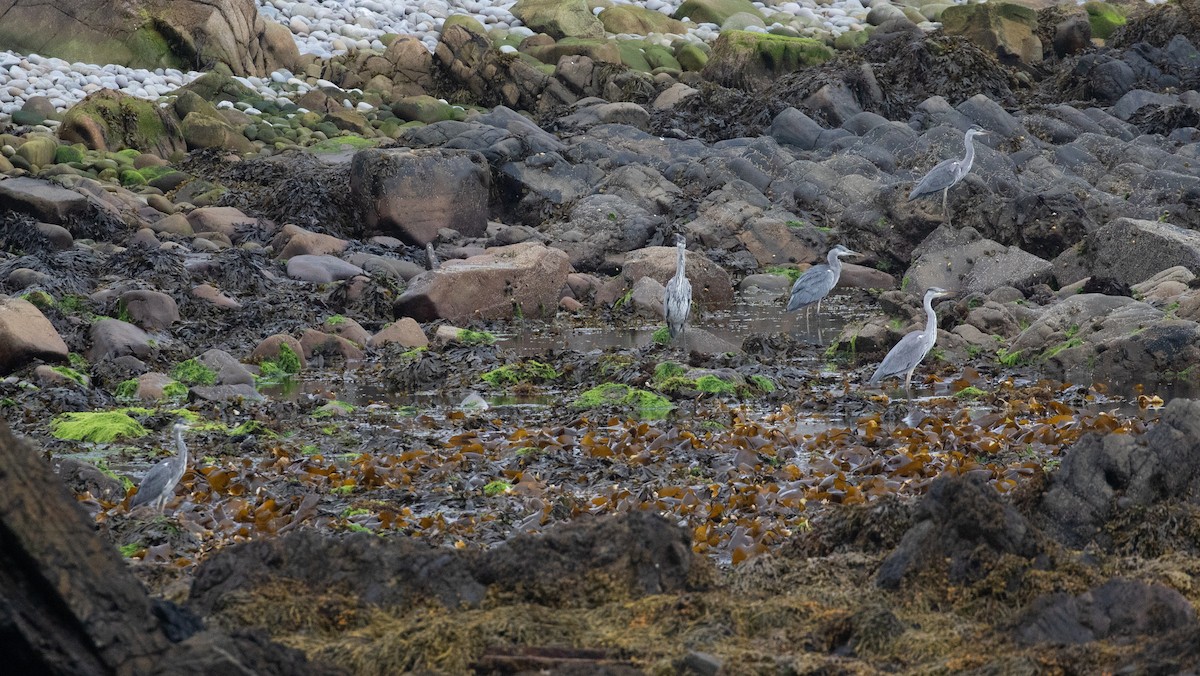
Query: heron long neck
pixel 180 446
pixel 930 323
pixel 969 156
pixel 680 262
pixel 835 266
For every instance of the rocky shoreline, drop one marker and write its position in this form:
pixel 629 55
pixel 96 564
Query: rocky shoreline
pixel 327 263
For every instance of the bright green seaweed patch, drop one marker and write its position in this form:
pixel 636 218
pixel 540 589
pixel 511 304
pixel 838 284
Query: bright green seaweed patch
pixel 71 374
pixel 667 370
pixel 470 337
pixel 127 389
pixel 530 371
pixel 661 336
pixel 192 372
pixel 97 426
pixel 763 383
pixel 497 487
pixel 714 385
pixel 645 404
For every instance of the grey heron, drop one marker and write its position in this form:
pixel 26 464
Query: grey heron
pixel 912 348
pixel 677 298
pixel 948 173
pixel 159 484
pixel 817 281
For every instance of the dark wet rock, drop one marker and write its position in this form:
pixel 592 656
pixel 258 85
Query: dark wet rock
pixel 600 228
pixel 390 572
pixel 1119 608
pixel 115 338
pixel 26 335
pixel 518 280
pixel 414 193
pixel 41 199
pixel 697 341
pixel 1104 476
pixel 217 652
pixel 1072 35
pixel 151 310
pixel 315 343
pixel 620 112
pixel 962 260
pixel 82 477
pixel 711 286
pixel 383 266
pixel 1130 251
pixel 630 555
pixel 235 393
pixel 542 185
pixel 962 529
pixel 321 269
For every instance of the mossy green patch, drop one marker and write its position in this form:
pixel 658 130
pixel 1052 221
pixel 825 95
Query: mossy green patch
pixel 192 372
pixel 713 385
pixel 1104 18
pixel 763 383
pixel 971 392
pixel 40 299
pixel 340 143
pixel 530 371
pixel 497 487
pixel 784 271
pixel 333 408
pixel 68 154
pixel 645 404
pixel 128 550
pixel 335 320
pixel 175 390
pixel 126 389
pixel 661 336
pixel 252 427
pixel 668 369
pixel 471 337
pixel 71 374
pixel 96 426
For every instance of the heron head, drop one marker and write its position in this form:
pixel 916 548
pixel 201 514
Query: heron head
pixel 840 251
pixel 937 292
pixel 680 240
pixel 977 131
pixel 180 427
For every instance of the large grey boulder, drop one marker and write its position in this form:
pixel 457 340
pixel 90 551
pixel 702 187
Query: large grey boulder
pixel 41 199
pixel 518 280
pixel 412 194
pixel 962 260
pixel 601 229
pixel 711 286
pixel 26 335
pixel 150 33
pixel 1130 251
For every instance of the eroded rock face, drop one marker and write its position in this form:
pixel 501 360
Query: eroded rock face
pixel 518 280
pixel 962 525
pixel 412 194
pixel 962 260
pixel 1130 251
pixel 150 34
pixel 1006 29
pixel 711 286
pixel 1103 476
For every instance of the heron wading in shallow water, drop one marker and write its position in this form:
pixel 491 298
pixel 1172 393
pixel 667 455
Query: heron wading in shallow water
pixel 817 281
pixel 948 173
pixel 159 484
pixel 677 298
pixel 912 348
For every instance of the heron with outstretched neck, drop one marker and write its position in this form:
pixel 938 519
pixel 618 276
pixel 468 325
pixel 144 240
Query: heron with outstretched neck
pixel 948 173
pixel 159 484
pixel 904 357
pixel 677 298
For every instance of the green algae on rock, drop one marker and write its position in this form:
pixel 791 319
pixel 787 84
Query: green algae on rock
pixel 745 58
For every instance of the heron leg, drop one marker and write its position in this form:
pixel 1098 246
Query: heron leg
pixel 908 379
pixel 945 210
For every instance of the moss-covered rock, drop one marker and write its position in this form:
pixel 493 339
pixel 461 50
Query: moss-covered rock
pixel 661 57
pixel 39 150
pixel 639 21
pixel 218 85
pixel 597 50
pixel 714 11
pixel 468 22
pixel 559 18
pixel 426 109
pixel 67 154
pixel 1005 29
pixel 692 57
pixel 640 402
pixel 96 426
pixel 110 120
pixel 1104 18
pixel 632 55
pixel 202 131
pixel 748 59
pixel 850 40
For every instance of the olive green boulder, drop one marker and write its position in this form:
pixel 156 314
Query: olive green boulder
pixel 203 131
pixel 748 59
pixel 691 56
pixel 110 120
pixel 636 20
pixel 559 18
pixel 425 109
pixel 632 55
pixel 39 150
pixel 470 23
pixel 218 85
pixel 1005 29
pixel 597 50
pixel 661 57
pixel 1104 18
pixel 715 11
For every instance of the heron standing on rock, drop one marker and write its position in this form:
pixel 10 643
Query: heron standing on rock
pixel 948 173
pixel 817 281
pixel 912 348
pixel 677 298
pixel 159 484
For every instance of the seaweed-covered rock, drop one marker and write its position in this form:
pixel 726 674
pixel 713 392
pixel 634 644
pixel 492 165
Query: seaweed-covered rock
pixel 714 11
pixel 962 528
pixel 559 18
pixel 1103 476
pixel 637 20
pixel 1118 608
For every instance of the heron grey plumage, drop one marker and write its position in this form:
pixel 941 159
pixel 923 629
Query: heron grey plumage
pixel 158 486
pixel 912 348
pixel 948 173
pixel 817 281
pixel 677 298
